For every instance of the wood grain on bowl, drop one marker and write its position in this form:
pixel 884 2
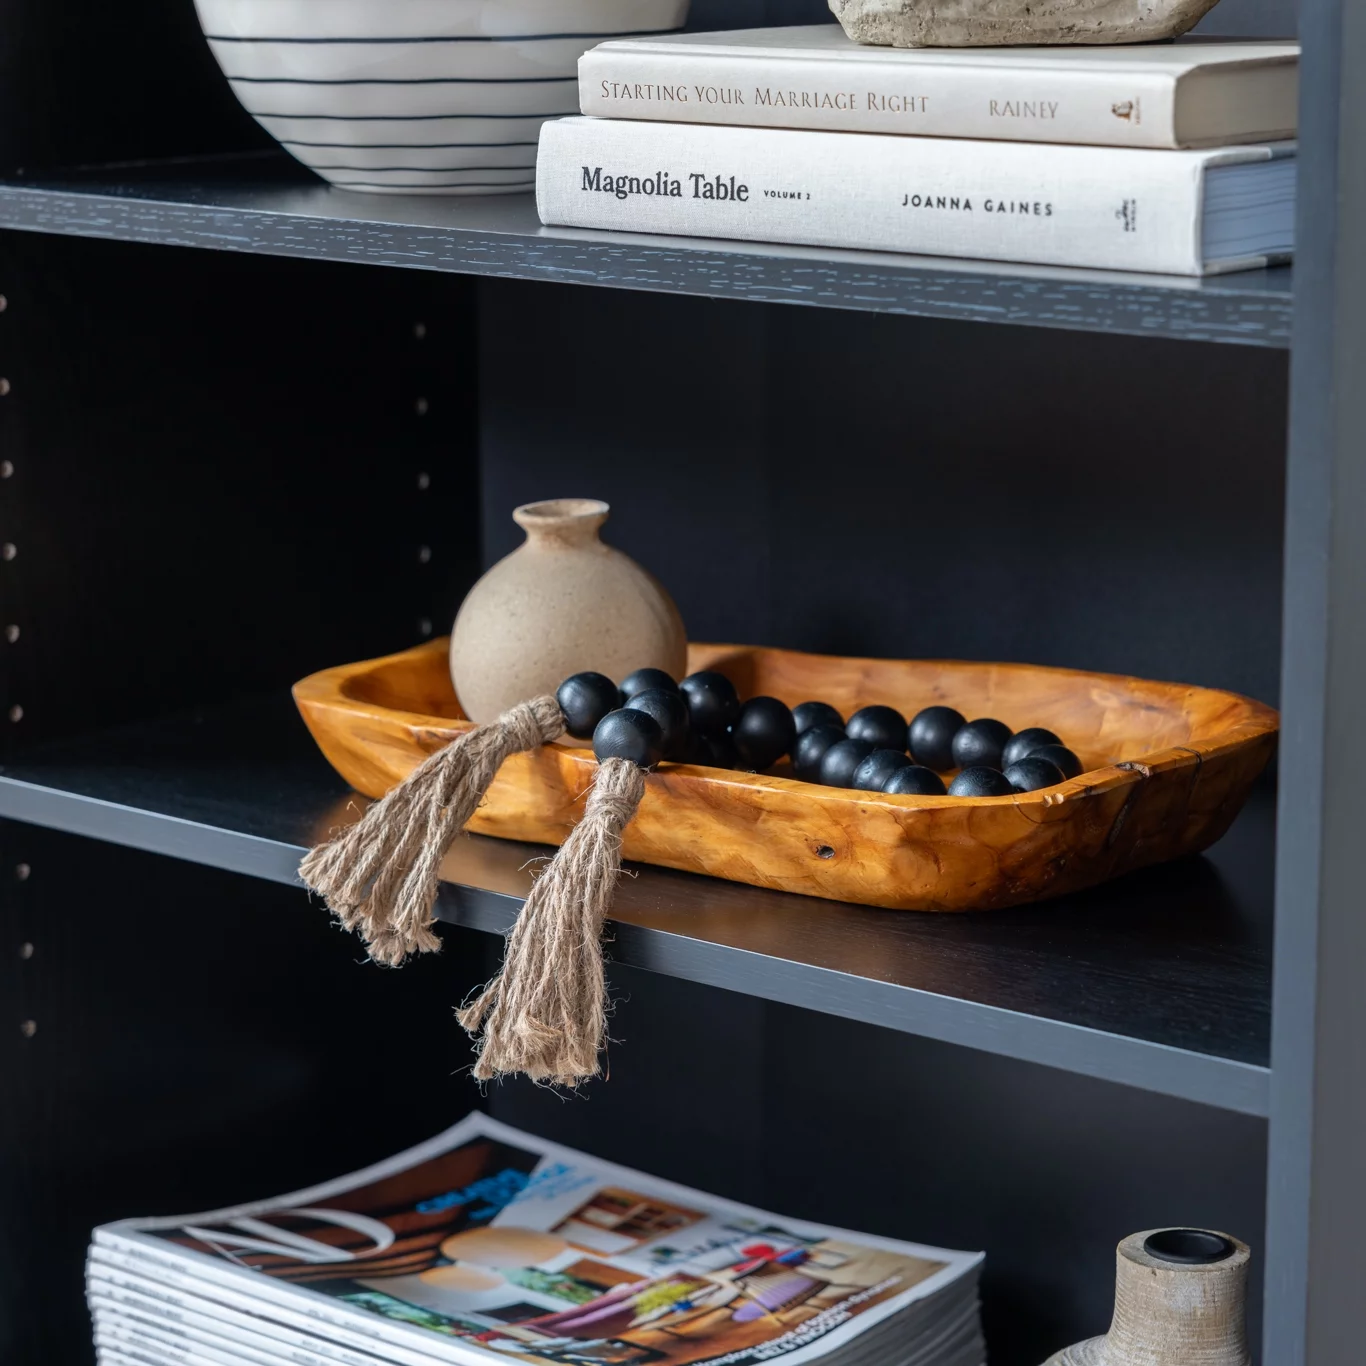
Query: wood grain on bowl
pixel 1168 767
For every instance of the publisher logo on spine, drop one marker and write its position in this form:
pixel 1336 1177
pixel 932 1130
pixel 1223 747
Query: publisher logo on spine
pixel 1127 213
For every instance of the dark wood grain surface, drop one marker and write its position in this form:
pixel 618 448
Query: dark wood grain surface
pixel 1160 980
pixel 267 204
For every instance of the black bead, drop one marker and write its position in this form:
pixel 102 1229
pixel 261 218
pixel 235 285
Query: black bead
pixel 979 744
pixel 841 760
pixel 585 699
pixel 882 727
pixel 763 732
pixel 980 782
pixel 712 701
pixel 670 713
pixel 647 680
pixel 628 734
pixel 1024 742
pixel 808 714
pixel 1032 773
pixel 930 736
pixel 809 749
pixel 710 751
pixel 1063 757
pixel 722 751
pixel 872 774
pixel 914 780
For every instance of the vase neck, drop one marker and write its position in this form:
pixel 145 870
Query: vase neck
pixel 562 521
pixel 1193 1315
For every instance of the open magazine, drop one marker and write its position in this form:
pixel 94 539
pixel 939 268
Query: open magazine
pixel 486 1244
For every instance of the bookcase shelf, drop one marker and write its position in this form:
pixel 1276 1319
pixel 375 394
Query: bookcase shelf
pixel 267 204
pixel 1160 981
pixel 222 467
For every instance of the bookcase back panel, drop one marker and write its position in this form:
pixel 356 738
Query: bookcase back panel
pixel 226 472
pixel 197 1040
pixel 83 82
pixel 861 1127
pixel 876 485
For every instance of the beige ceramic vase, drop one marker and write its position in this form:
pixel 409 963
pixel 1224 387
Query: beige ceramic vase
pixel 1180 1300
pixel 561 603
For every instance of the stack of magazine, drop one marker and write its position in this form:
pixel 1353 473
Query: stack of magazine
pixel 1168 157
pixel 487 1245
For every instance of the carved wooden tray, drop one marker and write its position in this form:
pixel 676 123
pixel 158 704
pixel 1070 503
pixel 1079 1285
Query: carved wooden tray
pixel 1168 767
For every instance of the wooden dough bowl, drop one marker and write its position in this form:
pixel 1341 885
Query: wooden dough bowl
pixel 1168 767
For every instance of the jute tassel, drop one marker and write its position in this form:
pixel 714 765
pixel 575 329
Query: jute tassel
pixel 379 876
pixel 545 1015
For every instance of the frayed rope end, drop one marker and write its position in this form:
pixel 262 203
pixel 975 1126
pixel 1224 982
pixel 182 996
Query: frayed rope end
pixel 379 877
pixel 545 1015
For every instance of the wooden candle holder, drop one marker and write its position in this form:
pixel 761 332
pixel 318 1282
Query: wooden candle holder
pixel 1173 1312
pixel 1168 767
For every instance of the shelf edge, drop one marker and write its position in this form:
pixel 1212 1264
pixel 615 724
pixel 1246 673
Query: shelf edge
pixel 1224 1083
pixel 951 291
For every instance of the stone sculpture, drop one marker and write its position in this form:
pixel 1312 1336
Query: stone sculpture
pixel 1012 23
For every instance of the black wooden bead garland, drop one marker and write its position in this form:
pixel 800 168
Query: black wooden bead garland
pixel 807 715
pixel 545 1013
pixel 810 748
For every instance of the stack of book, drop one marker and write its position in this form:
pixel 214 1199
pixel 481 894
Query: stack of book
pixel 487 1245
pixel 1172 157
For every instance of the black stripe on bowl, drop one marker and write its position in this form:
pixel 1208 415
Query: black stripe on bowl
pixel 471 38
pixel 429 185
pixel 403 146
pixel 418 80
pixel 400 118
pixel 425 170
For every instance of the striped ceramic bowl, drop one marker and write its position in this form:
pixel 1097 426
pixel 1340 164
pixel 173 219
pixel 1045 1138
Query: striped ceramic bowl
pixel 416 96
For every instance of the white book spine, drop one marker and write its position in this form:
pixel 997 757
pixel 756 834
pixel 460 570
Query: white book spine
pixel 1122 108
pixel 1072 206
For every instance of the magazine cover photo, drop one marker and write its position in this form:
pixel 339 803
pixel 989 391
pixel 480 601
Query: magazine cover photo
pixel 513 1248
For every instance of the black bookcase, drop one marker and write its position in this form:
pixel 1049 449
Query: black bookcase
pixel 251 427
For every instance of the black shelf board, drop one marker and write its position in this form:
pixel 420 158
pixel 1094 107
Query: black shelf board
pixel 1159 981
pixel 268 204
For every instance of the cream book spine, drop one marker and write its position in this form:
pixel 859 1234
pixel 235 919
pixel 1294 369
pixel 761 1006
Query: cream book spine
pixel 1104 208
pixel 1066 101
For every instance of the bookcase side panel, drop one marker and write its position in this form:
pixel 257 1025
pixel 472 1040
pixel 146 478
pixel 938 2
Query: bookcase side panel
pixel 193 1039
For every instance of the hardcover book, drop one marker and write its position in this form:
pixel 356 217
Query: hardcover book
pixel 1191 93
pixel 487 1245
pixel 1182 213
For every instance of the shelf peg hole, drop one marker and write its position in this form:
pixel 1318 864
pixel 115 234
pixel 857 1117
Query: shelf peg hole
pixel 11 633
pixel 421 407
pixel 26 950
pixel 28 1028
pixel 6 469
pixel 419 330
pixel 22 872
pixel 824 851
pixel 424 481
